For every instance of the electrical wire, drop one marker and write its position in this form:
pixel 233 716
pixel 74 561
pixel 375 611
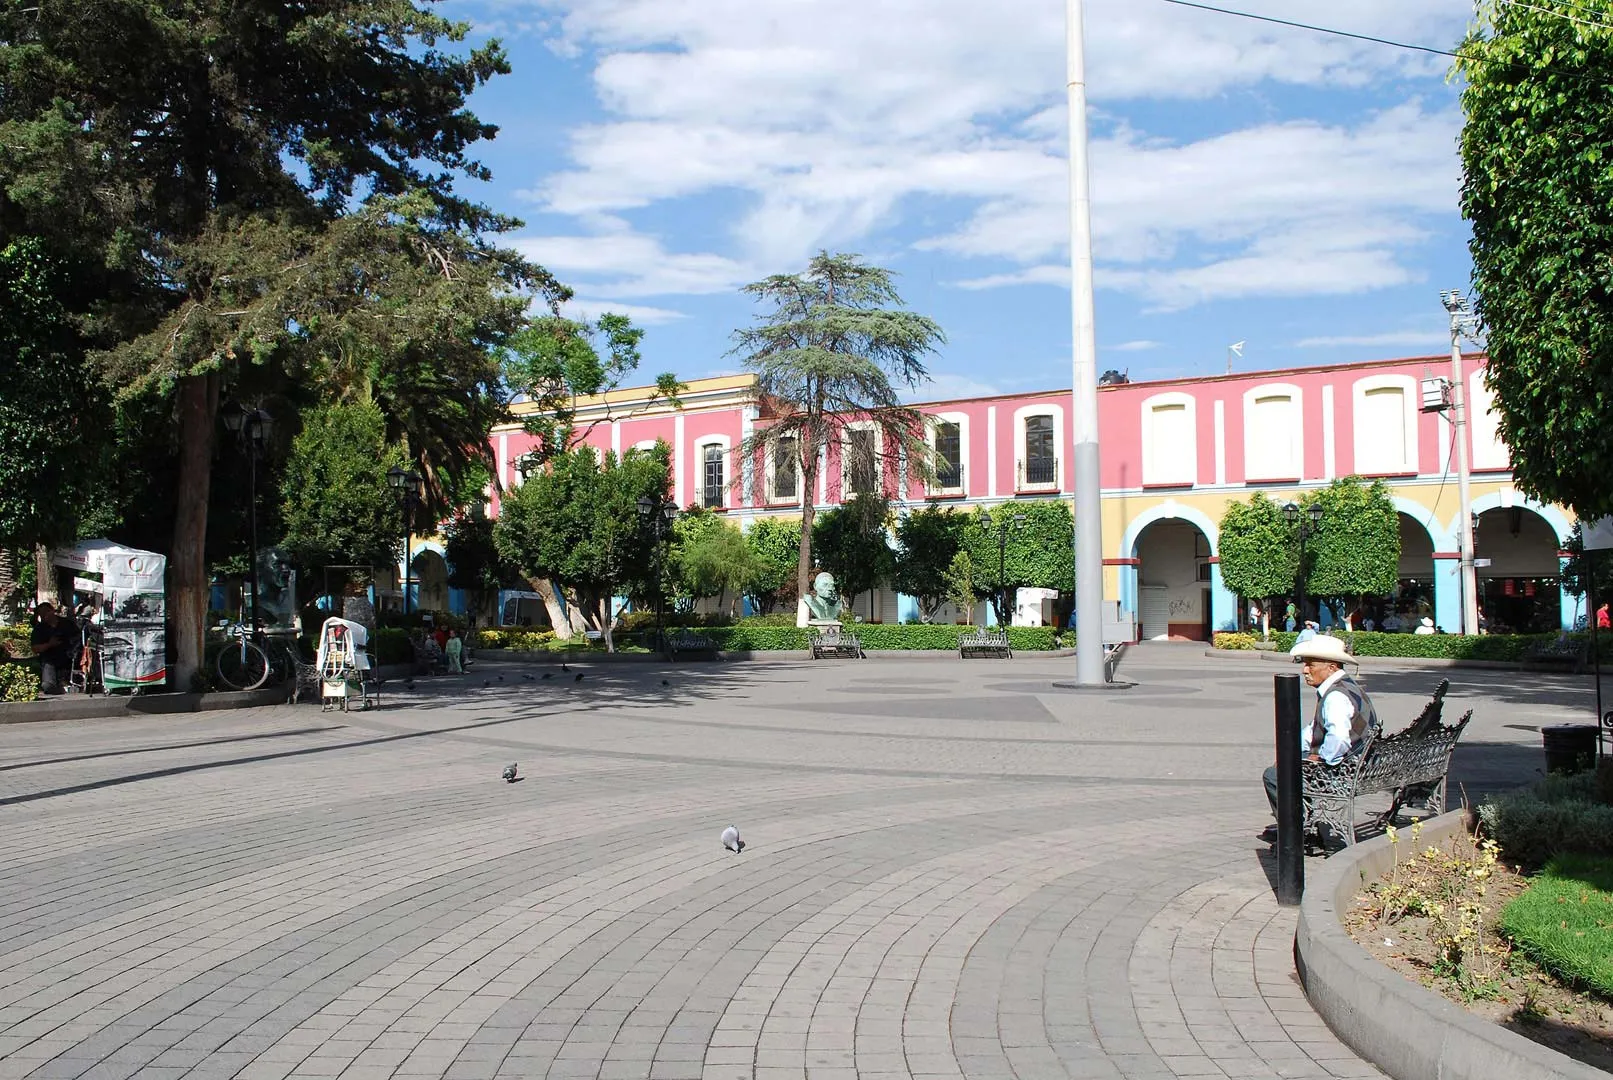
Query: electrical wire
pixel 1317 29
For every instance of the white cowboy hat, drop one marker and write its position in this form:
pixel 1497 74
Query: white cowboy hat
pixel 1427 621
pixel 1323 647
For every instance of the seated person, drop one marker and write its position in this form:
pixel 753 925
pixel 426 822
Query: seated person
pixel 1308 633
pixel 53 639
pixel 1344 713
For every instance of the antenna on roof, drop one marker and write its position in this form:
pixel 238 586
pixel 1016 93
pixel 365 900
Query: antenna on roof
pixel 1234 350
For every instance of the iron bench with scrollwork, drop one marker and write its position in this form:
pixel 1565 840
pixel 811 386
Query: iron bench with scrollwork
pixel 684 640
pixel 1409 766
pixel 834 643
pixel 1560 650
pixel 984 642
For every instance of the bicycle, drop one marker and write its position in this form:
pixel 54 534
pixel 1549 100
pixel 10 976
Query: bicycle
pixel 250 661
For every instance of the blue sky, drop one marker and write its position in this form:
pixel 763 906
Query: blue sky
pixel 1250 182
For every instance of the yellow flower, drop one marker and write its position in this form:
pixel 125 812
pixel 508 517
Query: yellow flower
pixel 1390 832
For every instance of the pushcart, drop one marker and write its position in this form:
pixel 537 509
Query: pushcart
pixel 345 671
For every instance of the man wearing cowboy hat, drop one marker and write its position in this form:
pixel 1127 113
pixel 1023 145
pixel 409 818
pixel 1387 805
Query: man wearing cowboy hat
pixel 1344 713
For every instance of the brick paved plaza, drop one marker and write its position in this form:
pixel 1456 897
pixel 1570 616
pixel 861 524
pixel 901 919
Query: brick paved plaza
pixel 952 870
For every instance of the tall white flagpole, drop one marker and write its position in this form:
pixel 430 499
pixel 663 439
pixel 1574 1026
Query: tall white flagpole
pixel 1084 393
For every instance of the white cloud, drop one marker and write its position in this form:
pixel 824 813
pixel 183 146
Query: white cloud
pixel 1392 339
pixel 586 308
pixel 822 121
pixel 947 386
pixel 1132 346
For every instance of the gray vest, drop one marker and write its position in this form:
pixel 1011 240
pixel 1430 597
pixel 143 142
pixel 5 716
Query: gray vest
pixel 1365 715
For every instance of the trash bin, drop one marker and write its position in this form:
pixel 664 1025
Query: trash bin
pixel 1570 748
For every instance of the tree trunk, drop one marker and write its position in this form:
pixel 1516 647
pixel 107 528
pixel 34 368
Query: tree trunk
pixel 44 577
pixel 187 559
pixel 8 586
pixel 558 619
pixel 605 621
pixel 809 487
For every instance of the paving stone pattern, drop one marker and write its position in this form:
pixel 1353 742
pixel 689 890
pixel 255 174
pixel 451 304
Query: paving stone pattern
pixel 953 871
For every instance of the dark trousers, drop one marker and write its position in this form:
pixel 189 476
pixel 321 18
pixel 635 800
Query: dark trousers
pixel 51 670
pixel 1270 777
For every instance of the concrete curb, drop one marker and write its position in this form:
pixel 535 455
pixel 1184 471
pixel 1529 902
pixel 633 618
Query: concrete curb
pixel 1275 656
pixel 1409 1032
pixel 99 706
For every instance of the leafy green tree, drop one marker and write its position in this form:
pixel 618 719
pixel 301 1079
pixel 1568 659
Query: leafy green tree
pixel 851 543
pixel 1576 571
pixel 1538 191
pixel 960 583
pixel 711 559
pixel 774 544
pixel 927 542
pixel 336 502
pixel 1040 551
pixel 576 523
pixel 53 415
pixel 1259 560
pixel 554 362
pixel 1355 550
pixel 474 564
pixel 836 349
pixel 254 184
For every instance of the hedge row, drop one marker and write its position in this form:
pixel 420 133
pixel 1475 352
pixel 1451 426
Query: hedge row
pixel 1415 646
pixel 876 637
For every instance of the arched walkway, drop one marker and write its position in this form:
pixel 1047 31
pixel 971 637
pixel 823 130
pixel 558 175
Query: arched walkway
pixel 1170 577
pixel 1518 569
pixel 430 580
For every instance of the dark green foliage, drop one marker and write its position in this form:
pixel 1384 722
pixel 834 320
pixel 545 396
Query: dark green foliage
pixel 392 646
pixel 1259 559
pixel 1506 647
pixel 1355 550
pixel 1040 551
pixel 1557 816
pixel 775 544
pixel 749 636
pixel 836 349
pixel 337 504
pixel 927 542
pixel 54 419
pixel 709 558
pixel 1538 191
pixel 851 543
pixel 474 564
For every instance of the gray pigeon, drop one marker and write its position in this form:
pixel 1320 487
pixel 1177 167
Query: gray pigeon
pixel 731 840
pixel 578 678
pixel 528 678
pixel 548 674
pixel 509 773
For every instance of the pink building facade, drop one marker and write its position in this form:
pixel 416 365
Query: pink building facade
pixel 1175 453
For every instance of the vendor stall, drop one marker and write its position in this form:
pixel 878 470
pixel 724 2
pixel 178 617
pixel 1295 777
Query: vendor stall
pixel 122 588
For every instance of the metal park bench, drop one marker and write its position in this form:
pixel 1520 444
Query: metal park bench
pixel 684 640
pixel 985 642
pixel 834 643
pixel 1560 650
pixel 1409 766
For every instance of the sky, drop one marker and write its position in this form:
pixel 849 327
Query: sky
pixel 1251 182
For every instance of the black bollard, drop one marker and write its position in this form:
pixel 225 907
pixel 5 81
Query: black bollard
pixel 1290 811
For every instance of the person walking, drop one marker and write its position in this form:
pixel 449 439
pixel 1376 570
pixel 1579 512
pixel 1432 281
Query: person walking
pixel 455 649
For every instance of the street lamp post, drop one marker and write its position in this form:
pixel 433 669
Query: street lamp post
pixel 252 428
pixel 657 517
pixel 406 485
pixel 1306 522
pixel 1464 323
pixel 1003 616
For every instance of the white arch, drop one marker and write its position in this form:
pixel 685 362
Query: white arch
pixel 1169 510
pixel 1443 539
pixel 1497 500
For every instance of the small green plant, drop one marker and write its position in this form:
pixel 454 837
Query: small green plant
pixel 1236 641
pixel 18 682
pixel 1558 815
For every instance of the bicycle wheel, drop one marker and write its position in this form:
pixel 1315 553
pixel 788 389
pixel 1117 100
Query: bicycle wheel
pixel 243 666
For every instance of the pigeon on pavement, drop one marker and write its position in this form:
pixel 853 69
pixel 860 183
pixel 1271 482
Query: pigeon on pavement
pixel 501 678
pixel 527 677
pixel 578 678
pixel 563 666
pixel 487 682
pixel 731 840
pixel 509 773
pixel 548 674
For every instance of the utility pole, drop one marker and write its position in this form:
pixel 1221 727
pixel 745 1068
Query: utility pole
pixel 1089 667
pixel 1462 322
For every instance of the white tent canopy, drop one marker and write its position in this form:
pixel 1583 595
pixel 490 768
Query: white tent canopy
pixel 143 568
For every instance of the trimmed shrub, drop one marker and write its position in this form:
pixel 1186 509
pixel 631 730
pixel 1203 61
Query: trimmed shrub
pixel 1557 816
pixel 1235 641
pixel 750 635
pixel 1412 646
pixel 392 646
pixel 18 682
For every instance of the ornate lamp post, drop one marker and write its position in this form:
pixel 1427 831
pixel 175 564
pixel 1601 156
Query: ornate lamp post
pixel 252 428
pixel 1305 523
pixel 1003 615
pixel 406 485
pixel 657 517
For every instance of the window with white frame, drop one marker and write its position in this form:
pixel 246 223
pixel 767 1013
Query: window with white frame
pixel 784 476
pixel 948 443
pixel 1273 438
pixel 1484 424
pixel 1040 465
pixel 1385 425
pixel 711 476
pixel 1170 440
pixel 859 461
